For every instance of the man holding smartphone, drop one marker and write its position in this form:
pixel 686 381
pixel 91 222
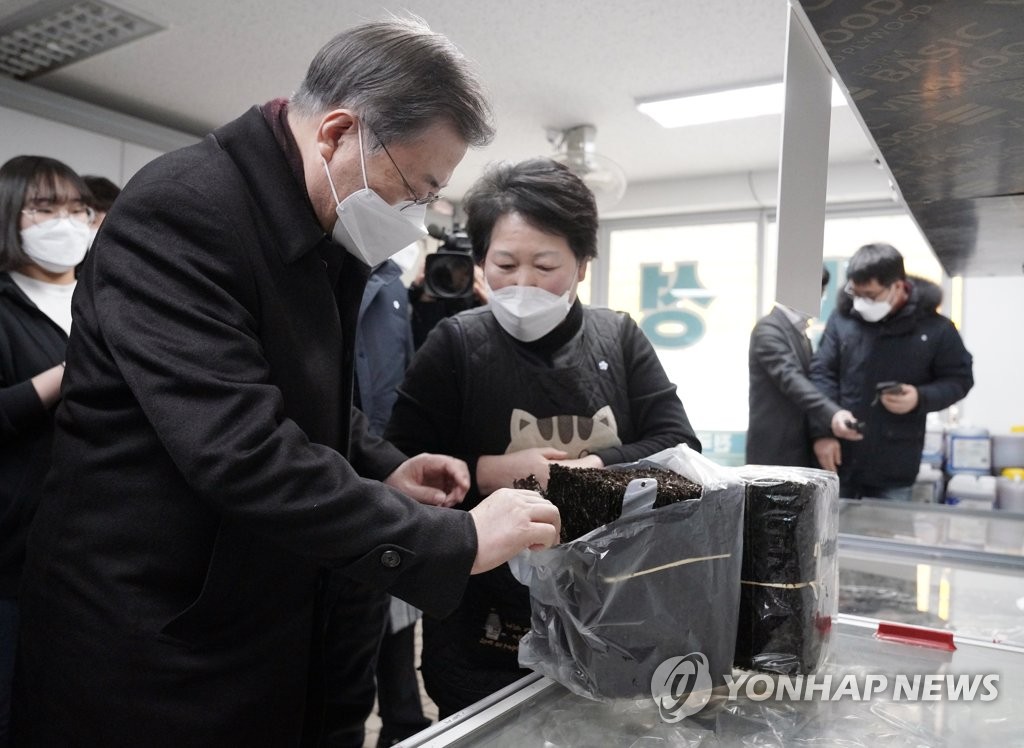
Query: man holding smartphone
pixel 889 358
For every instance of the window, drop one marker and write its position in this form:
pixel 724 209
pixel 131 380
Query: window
pixel 695 287
pixel 693 291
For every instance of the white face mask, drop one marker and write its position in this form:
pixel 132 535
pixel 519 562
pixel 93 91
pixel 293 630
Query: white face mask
pixel 57 245
pixel 872 310
pixel 368 227
pixel 408 257
pixel 528 313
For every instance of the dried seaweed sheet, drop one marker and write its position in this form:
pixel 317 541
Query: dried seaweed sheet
pixel 588 498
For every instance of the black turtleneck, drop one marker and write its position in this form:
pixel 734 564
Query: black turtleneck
pixel 554 340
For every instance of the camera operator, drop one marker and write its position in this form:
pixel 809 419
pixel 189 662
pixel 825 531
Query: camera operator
pixel 450 282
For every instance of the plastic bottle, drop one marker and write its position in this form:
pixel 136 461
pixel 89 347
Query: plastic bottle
pixel 969 450
pixel 928 488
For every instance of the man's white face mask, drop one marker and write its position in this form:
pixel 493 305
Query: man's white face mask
pixel 367 226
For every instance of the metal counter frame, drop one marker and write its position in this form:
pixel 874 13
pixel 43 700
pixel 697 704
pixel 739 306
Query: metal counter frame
pixel 543 702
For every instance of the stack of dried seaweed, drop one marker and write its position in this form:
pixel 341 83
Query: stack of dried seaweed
pixel 787 557
pixel 588 498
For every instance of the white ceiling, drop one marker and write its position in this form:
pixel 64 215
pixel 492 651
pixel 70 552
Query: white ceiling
pixel 546 64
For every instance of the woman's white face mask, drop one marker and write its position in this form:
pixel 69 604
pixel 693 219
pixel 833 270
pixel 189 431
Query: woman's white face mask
pixel 57 245
pixel 368 227
pixel 528 313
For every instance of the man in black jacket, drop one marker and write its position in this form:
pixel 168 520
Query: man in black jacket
pixel 888 356
pixel 208 464
pixel 783 400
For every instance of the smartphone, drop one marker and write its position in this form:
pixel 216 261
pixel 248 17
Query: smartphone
pixel 889 388
pixel 857 426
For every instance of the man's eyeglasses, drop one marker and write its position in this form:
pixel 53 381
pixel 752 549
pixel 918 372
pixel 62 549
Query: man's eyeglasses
pixel 41 214
pixel 848 290
pixel 430 197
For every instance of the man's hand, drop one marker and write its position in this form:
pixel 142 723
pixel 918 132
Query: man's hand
pixel 511 520
pixel 828 452
pixel 902 403
pixel 498 471
pixel 841 430
pixel 432 479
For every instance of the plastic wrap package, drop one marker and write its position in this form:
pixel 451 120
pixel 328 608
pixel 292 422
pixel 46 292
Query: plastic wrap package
pixel 790 579
pixel 614 604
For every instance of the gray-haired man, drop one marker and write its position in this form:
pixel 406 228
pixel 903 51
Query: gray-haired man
pixel 207 461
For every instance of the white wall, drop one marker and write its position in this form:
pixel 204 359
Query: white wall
pixel 993 318
pixel 89 139
pixel 847 183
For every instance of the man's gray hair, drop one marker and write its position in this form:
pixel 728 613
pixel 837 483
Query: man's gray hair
pixel 401 78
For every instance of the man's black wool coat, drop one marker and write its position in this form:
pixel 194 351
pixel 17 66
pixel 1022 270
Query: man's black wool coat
pixel 204 470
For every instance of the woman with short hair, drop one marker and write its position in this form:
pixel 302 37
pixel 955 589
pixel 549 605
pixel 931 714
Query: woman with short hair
pixel 532 378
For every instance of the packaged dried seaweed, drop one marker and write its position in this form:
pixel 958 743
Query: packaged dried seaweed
pixel 790 574
pixel 612 605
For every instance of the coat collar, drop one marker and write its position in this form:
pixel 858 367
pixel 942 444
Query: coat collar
pixel 250 143
pixel 380 276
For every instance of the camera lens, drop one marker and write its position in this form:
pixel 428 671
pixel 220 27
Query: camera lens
pixel 449 276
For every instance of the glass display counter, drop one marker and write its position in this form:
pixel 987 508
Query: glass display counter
pixel 930 565
pixel 539 712
pixel 937 525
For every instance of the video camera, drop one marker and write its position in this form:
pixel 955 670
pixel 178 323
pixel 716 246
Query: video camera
pixel 448 272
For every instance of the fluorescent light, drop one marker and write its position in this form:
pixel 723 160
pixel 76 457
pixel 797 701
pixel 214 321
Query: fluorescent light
pixel 722 106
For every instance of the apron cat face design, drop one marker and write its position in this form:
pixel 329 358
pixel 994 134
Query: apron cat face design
pixel 576 435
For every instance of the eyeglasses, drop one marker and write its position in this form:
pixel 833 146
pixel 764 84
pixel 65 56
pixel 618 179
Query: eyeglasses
pixel 430 197
pixel 80 213
pixel 848 290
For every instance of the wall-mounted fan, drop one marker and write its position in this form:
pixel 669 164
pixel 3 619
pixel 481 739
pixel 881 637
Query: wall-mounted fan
pixel 575 149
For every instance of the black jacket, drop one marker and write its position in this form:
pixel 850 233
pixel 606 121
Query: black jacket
pixel 30 343
pixel 917 346
pixel 594 383
pixel 207 464
pixel 783 400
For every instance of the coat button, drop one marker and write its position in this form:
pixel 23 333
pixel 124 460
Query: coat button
pixel 390 559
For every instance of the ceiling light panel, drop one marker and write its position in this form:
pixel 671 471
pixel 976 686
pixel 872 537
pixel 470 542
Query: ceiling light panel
pixel 47 36
pixel 722 106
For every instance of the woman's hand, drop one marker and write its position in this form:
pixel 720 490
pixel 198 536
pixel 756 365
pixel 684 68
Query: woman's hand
pixel 47 384
pixel 587 461
pixel 499 471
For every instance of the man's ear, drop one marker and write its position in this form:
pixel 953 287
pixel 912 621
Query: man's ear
pixel 334 127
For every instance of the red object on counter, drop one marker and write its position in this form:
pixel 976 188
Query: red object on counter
pixel 917 635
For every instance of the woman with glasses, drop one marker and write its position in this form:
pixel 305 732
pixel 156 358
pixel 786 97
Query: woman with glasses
pixel 44 233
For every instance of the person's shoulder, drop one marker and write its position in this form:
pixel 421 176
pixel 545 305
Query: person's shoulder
pixel 477 316
pixel 939 322
pixel 467 323
pixel 775 319
pixel 607 315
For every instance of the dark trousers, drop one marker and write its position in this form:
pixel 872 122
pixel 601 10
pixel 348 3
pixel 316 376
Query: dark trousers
pixel 356 617
pixel 8 647
pixel 398 691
